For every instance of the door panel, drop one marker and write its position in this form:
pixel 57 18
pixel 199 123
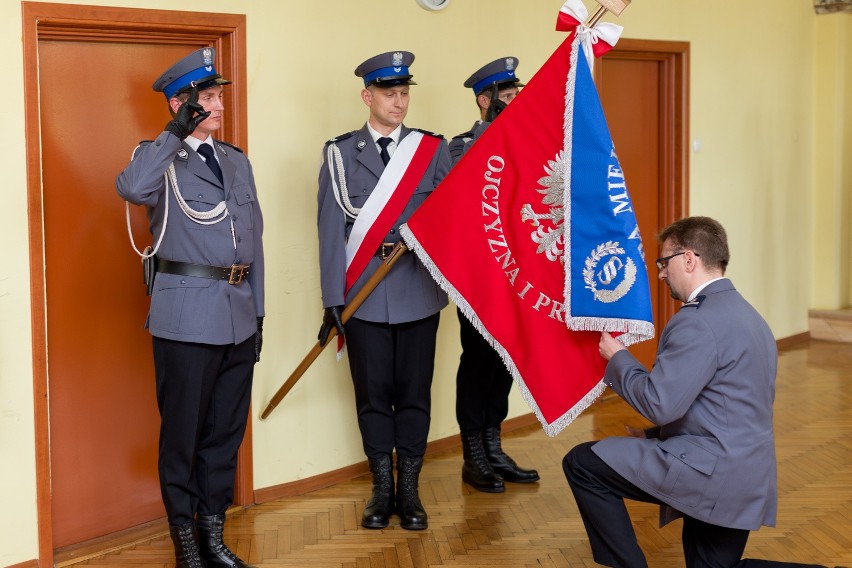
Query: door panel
pixel 630 95
pixel 88 100
pixel 95 99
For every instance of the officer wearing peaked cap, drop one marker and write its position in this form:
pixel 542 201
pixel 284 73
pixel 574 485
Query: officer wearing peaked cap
pixel 494 85
pixel 207 303
pixel 483 382
pixel 391 337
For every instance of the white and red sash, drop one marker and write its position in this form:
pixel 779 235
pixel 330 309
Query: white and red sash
pixel 387 201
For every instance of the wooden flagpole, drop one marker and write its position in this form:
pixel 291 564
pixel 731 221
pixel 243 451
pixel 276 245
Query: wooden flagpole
pixel 398 250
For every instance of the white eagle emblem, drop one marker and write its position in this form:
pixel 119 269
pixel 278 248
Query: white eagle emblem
pixel 510 63
pixel 397 59
pixel 207 54
pixel 550 228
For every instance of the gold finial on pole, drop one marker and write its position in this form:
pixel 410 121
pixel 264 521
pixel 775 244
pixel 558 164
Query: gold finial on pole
pixel 596 17
pixel 614 6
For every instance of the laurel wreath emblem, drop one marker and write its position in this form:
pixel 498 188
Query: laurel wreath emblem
pixel 608 248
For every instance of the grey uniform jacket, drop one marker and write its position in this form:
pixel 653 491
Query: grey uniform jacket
pixel 408 292
pixel 711 390
pixel 460 143
pixel 187 308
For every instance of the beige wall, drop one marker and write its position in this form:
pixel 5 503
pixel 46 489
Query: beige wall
pixel 831 284
pixel 845 157
pixel 770 167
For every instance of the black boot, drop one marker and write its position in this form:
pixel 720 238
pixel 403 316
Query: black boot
pixel 408 505
pixel 476 471
pixel 213 550
pixel 185 540
pixel 503 464
pixel 380 506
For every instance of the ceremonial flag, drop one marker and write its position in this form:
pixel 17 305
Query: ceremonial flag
pixel 533 236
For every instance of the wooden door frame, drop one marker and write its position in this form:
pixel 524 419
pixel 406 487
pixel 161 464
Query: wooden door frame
pixel 67 22
pixel 673 58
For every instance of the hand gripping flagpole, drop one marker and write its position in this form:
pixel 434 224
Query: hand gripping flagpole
pixel 398 250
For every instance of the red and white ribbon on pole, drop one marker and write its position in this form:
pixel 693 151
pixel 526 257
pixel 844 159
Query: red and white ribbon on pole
pixel 596 40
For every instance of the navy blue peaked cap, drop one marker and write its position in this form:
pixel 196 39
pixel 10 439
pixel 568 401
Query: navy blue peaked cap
pixel 194 70
pixel 500 72
pixel 387 69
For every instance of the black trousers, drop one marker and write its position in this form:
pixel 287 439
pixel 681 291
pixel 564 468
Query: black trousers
pixel 392 367
pixel 203 393
pixel 600 493
pixel 482 382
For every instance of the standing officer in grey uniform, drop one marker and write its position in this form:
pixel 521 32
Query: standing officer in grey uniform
pixel 483 382
pixel 206 310
pixel 391 337
pixel 711 392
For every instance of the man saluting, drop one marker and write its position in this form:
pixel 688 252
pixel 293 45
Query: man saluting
pixel 206 303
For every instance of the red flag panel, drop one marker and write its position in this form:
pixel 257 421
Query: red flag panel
pixel 472 235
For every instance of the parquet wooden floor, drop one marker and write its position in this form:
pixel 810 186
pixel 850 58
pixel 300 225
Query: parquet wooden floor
pixel 538 525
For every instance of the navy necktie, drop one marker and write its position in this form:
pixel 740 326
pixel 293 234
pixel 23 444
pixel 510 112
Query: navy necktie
pixel 384 142
pixel 206 150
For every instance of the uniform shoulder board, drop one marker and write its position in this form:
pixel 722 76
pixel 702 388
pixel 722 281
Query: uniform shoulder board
pixel 341 137
pixel 694 303
pixel 237 148
pixel 136 149
pixel 427 133
pixel 463 135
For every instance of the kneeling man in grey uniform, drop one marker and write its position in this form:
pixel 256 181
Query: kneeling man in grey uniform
pixel 711 461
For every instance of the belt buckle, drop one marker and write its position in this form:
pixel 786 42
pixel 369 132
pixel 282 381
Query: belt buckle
pixel 239 272
pixel 385 250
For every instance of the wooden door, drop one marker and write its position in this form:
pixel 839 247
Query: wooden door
pixel 103 413
pixel 643 90
pixel 95 103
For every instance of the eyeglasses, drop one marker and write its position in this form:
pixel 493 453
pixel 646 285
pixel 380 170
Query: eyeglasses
pixel 663 262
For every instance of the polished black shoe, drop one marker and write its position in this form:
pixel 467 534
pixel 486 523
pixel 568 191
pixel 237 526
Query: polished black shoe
pixel 408 506
pixel 502 464
pixel 212 548
pixel 476 471
pixel 185 540
pixel 380 506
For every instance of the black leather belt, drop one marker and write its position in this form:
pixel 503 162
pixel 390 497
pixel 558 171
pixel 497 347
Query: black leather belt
pixel 233 274
pixel 385 250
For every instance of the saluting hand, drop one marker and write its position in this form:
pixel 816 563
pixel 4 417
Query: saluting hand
pixel 494 109
pixel 188 116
